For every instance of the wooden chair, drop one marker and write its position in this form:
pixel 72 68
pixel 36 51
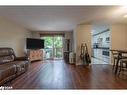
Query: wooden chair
pixel 115 56
pixel 123 63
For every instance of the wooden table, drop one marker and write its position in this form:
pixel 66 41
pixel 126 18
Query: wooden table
pixel 120 52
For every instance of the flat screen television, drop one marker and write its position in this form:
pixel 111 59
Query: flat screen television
pixel 32 43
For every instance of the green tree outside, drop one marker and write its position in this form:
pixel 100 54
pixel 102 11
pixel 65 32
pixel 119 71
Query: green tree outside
pixel 55 41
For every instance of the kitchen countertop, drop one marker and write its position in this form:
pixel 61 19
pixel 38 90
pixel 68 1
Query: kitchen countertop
pixel 101 48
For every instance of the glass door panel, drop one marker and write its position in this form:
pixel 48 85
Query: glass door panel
pixel 58 47
pixel 48 47
pixel 53 47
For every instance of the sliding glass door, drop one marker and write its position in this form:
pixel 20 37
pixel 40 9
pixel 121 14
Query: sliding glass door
pixel 53 47
pixel 48 47
pixel 58 47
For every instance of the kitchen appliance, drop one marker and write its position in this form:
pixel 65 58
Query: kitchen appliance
pixel 105 52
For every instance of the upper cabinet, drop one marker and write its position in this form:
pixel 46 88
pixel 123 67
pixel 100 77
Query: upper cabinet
pixel 102 39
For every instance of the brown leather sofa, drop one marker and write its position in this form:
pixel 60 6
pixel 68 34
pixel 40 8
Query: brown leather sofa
pixel 10 65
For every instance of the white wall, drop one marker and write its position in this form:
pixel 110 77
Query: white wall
pixel 74 39
pixel 35 34
pixel 119 36
pixel 82 34
pixel 11 35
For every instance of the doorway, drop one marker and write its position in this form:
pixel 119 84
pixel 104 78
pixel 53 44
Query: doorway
pixel 53 47
pixel 101 47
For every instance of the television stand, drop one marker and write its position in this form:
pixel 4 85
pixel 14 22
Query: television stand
pixel 35 54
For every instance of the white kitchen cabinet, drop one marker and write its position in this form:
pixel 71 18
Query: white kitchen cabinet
pixel 99 55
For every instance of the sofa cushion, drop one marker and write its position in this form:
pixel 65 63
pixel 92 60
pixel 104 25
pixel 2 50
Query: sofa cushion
pixel 6 51
pixel 6 55
pixel 5 59
pixel 7 70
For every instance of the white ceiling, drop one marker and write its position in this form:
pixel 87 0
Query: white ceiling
pixel 61 18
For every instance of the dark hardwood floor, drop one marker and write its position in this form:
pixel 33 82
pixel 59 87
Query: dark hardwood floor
pixel 59 75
